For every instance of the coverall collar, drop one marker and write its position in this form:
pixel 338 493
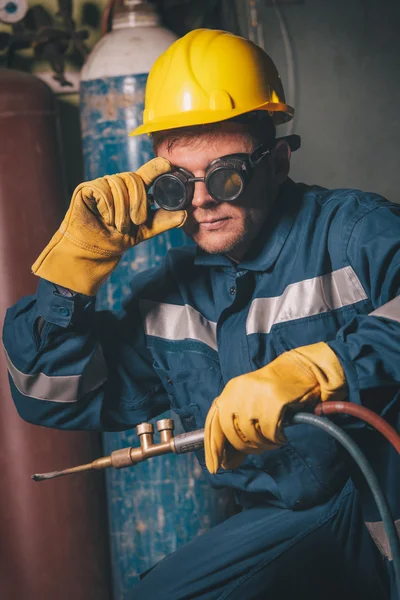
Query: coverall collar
pixel 269 242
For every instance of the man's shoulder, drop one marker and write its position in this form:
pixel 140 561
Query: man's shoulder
pixel 343 200
pixel 334 217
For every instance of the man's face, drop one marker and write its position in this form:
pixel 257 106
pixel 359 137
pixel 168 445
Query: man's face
pixel 226 227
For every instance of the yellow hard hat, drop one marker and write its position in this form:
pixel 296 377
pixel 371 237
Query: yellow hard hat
pixel 208 76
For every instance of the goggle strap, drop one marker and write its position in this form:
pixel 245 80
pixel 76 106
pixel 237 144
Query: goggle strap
pixel 293 140
pixel 258 154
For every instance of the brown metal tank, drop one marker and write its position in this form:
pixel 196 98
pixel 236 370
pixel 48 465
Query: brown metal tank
pixel 53 534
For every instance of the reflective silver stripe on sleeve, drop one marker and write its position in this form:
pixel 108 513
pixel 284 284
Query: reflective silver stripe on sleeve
pixel 306 298
pixel 378 534
pixel 175 322
pixel 60 388
pixel 390 310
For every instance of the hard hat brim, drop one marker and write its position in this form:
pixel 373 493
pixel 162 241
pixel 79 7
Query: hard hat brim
pixel 280 113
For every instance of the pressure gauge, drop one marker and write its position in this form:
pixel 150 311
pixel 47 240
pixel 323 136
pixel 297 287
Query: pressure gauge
pixel 12 11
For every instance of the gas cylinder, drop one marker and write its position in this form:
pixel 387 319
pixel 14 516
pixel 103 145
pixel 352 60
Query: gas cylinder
pixel 53 537
pixel 162 503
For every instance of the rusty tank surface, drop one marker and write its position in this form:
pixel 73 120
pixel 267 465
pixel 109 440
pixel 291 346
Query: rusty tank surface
pixel 54 539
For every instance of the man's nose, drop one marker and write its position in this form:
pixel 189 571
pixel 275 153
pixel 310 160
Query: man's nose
pixel 201 197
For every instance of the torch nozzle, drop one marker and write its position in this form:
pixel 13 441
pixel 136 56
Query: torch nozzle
pixel 54 474
pixel 42 476
pixel 127 457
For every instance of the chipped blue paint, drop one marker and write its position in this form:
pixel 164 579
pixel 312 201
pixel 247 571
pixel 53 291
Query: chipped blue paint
pixel 162 503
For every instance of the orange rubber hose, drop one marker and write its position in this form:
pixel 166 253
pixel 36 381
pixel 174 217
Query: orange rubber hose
pixel 365 414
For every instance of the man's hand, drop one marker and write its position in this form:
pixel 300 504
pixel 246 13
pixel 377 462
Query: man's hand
pixel 247 417
pixel 106 217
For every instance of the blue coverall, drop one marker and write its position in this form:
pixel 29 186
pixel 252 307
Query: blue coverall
pixel 325 267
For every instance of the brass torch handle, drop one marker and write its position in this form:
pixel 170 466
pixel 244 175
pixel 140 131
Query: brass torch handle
pixel 187 442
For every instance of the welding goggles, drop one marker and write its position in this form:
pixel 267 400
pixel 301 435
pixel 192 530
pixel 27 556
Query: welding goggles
pixel 225 178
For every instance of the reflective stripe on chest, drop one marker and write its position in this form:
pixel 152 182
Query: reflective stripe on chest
pixel 305 298
pixel 175 322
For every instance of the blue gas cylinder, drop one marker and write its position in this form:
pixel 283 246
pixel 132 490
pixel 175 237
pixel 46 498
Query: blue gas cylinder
pixel 162 503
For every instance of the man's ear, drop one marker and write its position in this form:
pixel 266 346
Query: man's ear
pixel 280 158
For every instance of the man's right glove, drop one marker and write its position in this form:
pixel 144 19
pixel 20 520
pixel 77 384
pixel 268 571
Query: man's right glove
pixel 106 217
pixel 248 416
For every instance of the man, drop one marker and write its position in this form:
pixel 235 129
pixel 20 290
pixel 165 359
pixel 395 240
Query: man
pixel 289 298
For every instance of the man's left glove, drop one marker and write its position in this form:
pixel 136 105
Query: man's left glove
pixel 106 217
pixel 247 417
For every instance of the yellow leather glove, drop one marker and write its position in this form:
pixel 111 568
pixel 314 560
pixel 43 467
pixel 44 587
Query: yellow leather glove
pixel 247 417
pixel 106 217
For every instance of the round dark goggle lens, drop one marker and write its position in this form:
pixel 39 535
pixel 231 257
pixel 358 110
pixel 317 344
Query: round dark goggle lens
pixel 169 192
pixel 225 184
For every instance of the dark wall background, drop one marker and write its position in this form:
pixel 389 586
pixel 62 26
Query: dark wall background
pixel 340 64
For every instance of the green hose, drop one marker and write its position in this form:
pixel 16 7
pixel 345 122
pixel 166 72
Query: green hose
pixel 372 481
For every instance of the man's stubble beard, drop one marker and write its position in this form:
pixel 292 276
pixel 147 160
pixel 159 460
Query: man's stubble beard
pixel 229 246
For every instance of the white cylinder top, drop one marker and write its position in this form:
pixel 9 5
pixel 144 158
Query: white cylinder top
pixel 127 51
